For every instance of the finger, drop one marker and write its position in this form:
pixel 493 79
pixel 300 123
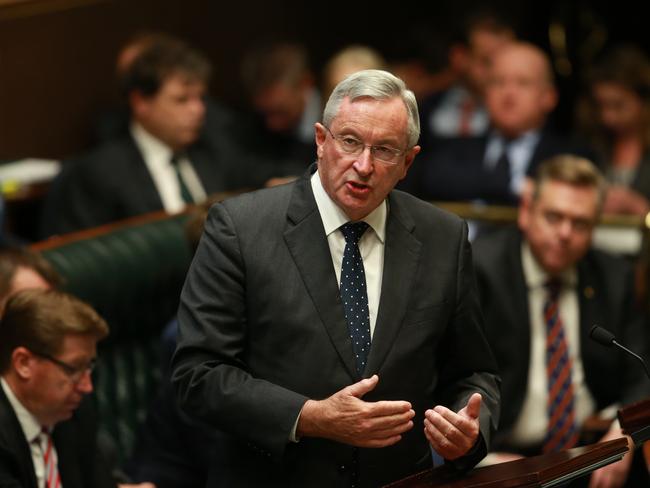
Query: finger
pixel 468 426
pixel 390 431
pixel 377 443
pixel 473 408
pixel 362 387
pixel 443 446
pixel 387 408
pixel 461 439
pixel 388 421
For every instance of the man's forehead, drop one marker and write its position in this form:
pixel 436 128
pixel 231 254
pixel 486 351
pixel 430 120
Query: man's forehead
pixel 392 108
pixel 181 80
pixel 574 198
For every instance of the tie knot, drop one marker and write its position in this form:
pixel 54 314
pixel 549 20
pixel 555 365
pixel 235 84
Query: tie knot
pixel 176 158
pixel 553 285
pixel 352 231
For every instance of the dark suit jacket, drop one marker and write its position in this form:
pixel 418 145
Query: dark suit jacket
pixel 113 183
pixel 605 298
pixel 80 464
pixel 172 449
pixel 262 330
pixel 455 170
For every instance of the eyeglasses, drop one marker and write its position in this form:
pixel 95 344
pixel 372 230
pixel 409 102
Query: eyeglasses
pixel 75 373
pixel 354 147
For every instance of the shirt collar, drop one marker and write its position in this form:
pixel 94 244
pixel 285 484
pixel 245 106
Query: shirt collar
pixel 153 149
pixel 536 276
pixel 333 217
pixel 496 143
pixel 310 116
pixel 30 425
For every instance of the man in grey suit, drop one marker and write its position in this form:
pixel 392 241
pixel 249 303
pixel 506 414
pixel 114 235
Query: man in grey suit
pixel 313 380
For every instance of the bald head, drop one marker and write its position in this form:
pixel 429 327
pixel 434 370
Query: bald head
pixel 520 92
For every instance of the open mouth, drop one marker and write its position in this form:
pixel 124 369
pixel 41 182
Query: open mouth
pixel 357 187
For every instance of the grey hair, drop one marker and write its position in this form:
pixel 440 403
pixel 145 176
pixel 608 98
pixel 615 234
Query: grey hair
pixel 378 85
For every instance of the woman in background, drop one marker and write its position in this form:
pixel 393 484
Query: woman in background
pixel 616 119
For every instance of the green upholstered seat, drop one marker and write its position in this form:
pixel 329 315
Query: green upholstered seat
pixel 132 276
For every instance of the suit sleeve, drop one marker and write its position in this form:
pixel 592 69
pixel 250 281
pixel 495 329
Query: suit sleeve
pixel 468 365
pixel 210 370
pixel 74 202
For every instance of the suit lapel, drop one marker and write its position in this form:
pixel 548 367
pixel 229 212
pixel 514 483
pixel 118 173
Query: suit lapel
pixel 307 243
pixel 588 308
pixel 64 441
pixel 520 309
pixel 12 440
pixel 401 255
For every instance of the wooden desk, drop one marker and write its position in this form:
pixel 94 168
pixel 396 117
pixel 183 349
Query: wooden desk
pixel 546 470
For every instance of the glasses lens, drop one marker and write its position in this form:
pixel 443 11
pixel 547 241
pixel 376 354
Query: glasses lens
pixel 385 154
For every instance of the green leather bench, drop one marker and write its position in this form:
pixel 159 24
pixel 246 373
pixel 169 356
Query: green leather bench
pixel 132 274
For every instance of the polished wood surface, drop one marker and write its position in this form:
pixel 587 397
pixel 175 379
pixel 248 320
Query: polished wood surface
pixel 539 471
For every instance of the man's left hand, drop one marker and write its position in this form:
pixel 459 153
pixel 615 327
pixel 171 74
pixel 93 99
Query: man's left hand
pixel 451 434
pixel 613 475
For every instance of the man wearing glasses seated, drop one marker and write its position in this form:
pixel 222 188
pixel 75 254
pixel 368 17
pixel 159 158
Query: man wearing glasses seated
pixel 47 429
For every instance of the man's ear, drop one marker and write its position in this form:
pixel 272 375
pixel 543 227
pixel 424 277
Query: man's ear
pixel 525 204
pixel 408 160
pixel 138 103
pixel 320 134
pixel 22 361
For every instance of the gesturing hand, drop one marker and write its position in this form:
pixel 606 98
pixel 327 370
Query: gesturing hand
pixel 345 417
pixel 451 434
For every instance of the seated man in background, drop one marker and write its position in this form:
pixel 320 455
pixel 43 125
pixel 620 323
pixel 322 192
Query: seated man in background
pixel 161 163
pixel 459 111
pixel 283 94
pixel 47 430
pixel 22 269
pixel 520 94
pixel 542 289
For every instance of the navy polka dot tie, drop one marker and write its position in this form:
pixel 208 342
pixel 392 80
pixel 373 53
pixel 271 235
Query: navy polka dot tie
pixel 354 294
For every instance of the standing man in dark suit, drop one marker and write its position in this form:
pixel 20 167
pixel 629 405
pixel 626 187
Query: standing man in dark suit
pixel 160 163
pixel 520 95
pixel 524 279
pixel 322 320
pixel 47 428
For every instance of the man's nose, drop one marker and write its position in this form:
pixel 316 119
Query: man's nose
pixel 198 106
pixel 364 164
pixel 566 228
pixel 85 384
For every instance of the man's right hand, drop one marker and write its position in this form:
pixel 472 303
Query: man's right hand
pixel 344 417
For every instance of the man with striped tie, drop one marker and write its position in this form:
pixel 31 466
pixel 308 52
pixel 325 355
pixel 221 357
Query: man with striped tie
pixel 542 288
pixel 47 431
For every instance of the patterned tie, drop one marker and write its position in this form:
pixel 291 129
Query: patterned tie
pixel 467 108
pixel 562 432
pixel 354 294
pixel 52 478
pixel 502 167
pixel 182 186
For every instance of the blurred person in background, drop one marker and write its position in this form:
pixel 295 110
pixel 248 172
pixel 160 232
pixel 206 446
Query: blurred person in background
pixel 615 117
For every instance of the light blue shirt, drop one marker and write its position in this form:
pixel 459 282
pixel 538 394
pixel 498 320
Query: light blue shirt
pixel 520 152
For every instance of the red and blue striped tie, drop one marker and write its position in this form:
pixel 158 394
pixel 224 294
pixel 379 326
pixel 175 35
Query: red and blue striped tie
pixel 562 432
pixel 52 478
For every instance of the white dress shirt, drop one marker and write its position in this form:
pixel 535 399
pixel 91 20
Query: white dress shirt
pixel 531 426
pixel 520 153
pixel 157 157
pixel 371 244
pixel 32 430
pixel 446 119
